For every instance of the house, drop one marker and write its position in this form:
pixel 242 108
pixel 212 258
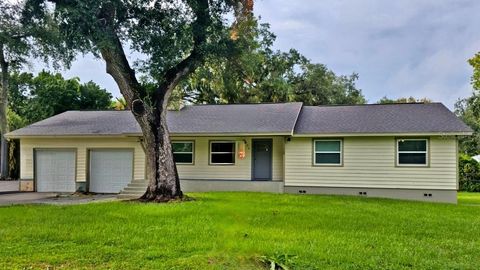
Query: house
pixel 406 151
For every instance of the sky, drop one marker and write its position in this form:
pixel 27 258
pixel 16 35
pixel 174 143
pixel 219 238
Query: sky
pixel 400 48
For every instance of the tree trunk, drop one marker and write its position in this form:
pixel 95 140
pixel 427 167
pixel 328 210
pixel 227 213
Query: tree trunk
pixel 162 175
pixel 161 171
pixel 3 115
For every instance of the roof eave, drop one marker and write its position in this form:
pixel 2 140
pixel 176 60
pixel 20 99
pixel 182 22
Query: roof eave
pixel 13 136
pixel 184 134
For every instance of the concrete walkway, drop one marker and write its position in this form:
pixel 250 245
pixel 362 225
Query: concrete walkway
pixel 52 198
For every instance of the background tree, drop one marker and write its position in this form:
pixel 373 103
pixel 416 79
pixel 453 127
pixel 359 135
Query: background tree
pixel 173 38
pixel 13 49
pixel 469 173
pixel 468 109
pixel 475 63
pixel 254 72
pixel 119 104
pixel 20 40
pixel 317 85
pixel 34 98
pixel 410 99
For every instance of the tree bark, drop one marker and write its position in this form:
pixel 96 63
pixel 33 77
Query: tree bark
pixel 3 115
pixel 164 183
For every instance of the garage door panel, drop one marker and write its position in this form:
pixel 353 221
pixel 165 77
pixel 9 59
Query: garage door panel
pixel 110 170
pixel 55 170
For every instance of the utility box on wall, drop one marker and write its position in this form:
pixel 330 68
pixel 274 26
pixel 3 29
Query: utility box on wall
pixel 26 185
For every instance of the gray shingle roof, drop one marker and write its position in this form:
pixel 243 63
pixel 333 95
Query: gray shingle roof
pixel 239 118
pixel 261 119
pixel 82 123
pixel 378 118
pixel 201 119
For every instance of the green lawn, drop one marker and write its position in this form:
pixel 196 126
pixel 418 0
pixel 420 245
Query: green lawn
pixel 232 230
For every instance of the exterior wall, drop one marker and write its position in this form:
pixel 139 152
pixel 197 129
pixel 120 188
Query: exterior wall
pixel 368 166
pixel 369 162
pixel 82 145
pixel 200 170
pixel 231 185
pixel 241 170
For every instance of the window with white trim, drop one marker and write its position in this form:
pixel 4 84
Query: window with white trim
pixel 327 152
pixel 412 152
pixel 183 152
pixel 222 152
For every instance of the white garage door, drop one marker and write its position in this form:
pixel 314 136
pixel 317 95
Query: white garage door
pixel 55 170
pixel 110 170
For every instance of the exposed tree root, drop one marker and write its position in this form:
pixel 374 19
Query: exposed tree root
pixel 163 199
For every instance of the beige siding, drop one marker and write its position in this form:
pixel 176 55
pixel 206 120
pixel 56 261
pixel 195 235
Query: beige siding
pixel 370 162
pixel 241 170
pixel 81 145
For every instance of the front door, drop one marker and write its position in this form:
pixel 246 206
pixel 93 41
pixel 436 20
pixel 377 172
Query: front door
pixel 262 159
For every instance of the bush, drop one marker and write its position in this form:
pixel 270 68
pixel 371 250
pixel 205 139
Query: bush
pixel 469 170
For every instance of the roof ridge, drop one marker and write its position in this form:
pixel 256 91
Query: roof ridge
pixel 96 110
pixel 374 104
pixel 261 103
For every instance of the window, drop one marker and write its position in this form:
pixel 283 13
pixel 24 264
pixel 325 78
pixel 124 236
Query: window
pixel 222 153
pixel 412 152
pixel 183 152
pixel 328 152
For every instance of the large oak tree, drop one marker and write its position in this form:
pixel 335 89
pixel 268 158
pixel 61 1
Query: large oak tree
pixel 169 38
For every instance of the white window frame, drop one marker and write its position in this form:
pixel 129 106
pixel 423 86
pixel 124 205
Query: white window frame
pixel 427 160
pixel 192 153
pixel 315 152
pixel 234 152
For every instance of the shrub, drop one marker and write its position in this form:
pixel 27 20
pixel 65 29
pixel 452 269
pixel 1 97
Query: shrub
pixel 469 170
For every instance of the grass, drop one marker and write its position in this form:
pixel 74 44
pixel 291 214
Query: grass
pixel 235 230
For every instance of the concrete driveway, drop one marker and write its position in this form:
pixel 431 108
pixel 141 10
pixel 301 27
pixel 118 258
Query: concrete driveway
pixel 7 198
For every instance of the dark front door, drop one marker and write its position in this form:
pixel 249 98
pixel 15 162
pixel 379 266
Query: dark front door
pixel 262 159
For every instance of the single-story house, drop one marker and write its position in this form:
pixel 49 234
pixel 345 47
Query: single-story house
pixel 406 151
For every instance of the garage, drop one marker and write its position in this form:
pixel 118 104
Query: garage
pixel 55 170
pixel 111 170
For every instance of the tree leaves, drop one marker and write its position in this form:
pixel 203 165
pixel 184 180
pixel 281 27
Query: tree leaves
pixel 250 71
pixel 34 98
pixel 475 63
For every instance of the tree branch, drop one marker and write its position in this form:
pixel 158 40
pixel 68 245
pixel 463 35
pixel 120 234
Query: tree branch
pixel 3 68
pixel 119 68
pixel 114 55
pixel 175 74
